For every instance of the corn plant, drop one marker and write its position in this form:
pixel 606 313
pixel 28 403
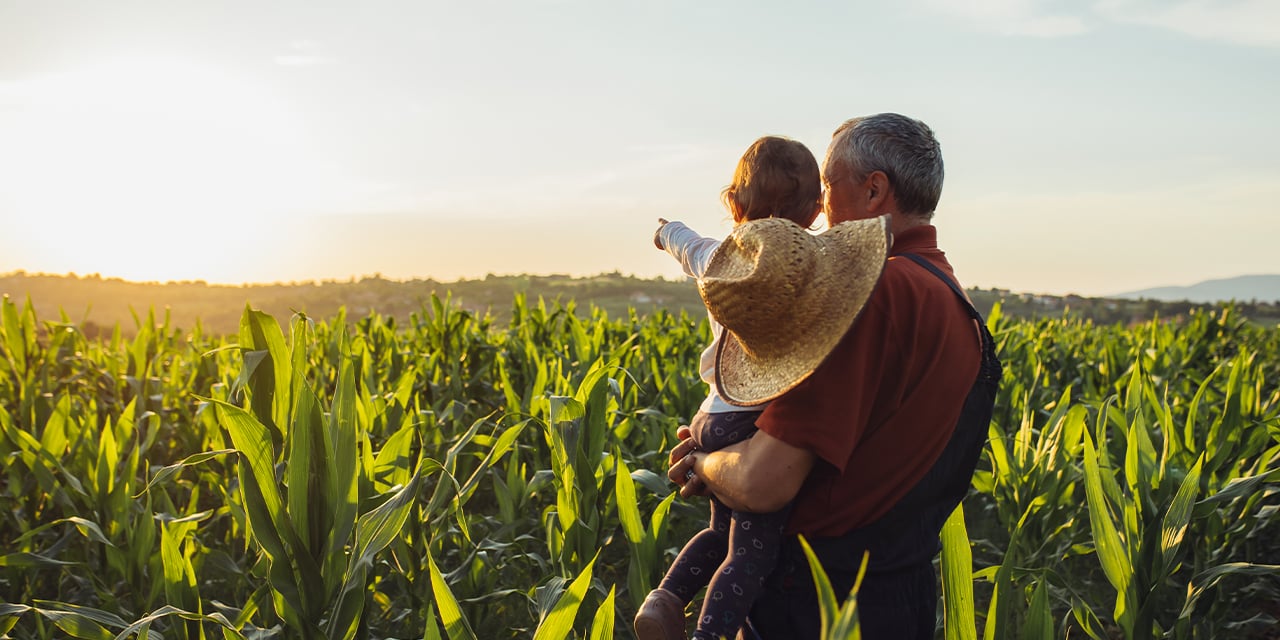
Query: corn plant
pixel 450 476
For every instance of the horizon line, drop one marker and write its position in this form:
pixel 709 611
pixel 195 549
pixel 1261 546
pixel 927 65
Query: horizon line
pixel 376 276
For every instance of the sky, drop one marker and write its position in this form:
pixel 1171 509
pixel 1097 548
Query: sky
pixel 1091 147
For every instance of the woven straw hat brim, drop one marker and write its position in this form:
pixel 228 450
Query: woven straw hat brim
pixel 814 315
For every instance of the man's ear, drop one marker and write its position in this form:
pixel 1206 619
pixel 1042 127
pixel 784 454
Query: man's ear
pixel 879 192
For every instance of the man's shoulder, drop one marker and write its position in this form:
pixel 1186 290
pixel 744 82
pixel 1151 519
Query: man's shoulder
pixel 901 271
pixel 902 281
pixel 910 298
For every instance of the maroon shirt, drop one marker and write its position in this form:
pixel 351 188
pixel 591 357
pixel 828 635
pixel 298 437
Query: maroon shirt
pixel 879 410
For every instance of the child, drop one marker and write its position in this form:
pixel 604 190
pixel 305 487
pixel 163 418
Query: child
pixel 775 178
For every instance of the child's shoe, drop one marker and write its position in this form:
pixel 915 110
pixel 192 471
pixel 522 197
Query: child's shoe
pixel 661 617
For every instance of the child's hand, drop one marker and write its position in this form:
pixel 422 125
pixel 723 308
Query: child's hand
pixel 657 235
pixel 681 461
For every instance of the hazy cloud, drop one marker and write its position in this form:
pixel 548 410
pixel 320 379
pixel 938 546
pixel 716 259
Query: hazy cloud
pixel 301 60
pixel 1246 22
pixel 1172 234
pixel 1031 18
pixel 609 182
pixel 303 53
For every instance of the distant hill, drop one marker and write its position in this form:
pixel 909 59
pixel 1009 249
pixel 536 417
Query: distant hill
pixel 104 303
pixel 1263 288
pixel 101 304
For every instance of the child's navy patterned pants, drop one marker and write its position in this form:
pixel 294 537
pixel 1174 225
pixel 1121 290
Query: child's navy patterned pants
pixel 733 555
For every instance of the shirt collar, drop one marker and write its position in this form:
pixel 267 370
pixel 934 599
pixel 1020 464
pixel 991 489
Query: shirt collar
pixel 915 240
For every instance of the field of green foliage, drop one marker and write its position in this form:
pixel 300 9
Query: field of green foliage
pixel 452 477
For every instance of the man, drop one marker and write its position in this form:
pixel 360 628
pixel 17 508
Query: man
pixel 878 445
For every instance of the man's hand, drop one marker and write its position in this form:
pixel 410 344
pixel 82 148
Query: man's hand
pixel 681 461
pixel 657 235
pixel 760 474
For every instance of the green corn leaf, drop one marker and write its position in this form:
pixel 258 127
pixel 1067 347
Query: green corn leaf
pixel 54 438
pixel 343 622
pixel 27 560
pixel 957 579
pixel 376 529
pixel 657 484
pixel 432 631
pixel 15 342
pixel 295 577
pixel 828 608
pixel 252 441
pixel 75 620
pixel 494 454
pixel 108 458
pixel 259 331
pixel 10 609
pixel 1209 578
pixel 658 523
pixel 89 529
pixel 165 473
pixel 305 473
pixel 995 623
pixel 342 472
pixel 1073 428
pixel 559 623
pixel 374 532
pixel 455 624
pixel 602 624
pixel 628 506
pixel 77 625
pixel 593 394
pixel 1039 625
pixel 33 456
pixel 1087 619
pixel 565 409
pixel 1005 593
pixel 1174 525
pixel 89 613
pixel 447 487
pixel 1234 490
pixel 175 566
pixel 300 340
pixel 229 630
pixel 1192 421
pixel 393 463
pixel 404 388
pixel 168 518
pixel 9 616
pixel 639 573
pixel 1112 553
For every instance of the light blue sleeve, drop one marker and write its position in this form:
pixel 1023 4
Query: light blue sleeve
pixel 691 250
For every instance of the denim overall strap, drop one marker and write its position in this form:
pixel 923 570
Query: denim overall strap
pixel 955 288
pixel 907 534
pixel 899 597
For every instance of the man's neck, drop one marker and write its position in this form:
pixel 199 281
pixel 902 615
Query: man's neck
pixel 900 222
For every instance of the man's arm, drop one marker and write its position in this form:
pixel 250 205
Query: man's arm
pixel 759 475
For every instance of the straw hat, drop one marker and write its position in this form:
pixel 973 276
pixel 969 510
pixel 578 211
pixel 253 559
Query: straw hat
pixel 786 297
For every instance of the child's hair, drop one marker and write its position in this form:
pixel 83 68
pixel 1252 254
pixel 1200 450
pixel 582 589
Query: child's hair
pixel 776 178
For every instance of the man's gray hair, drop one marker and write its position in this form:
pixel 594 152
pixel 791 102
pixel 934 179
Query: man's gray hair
pixel 903 148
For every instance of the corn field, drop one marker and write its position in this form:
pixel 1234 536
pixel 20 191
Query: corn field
pixel 449 477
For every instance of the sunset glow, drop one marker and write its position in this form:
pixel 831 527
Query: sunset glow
pixel 1090 148
pixel 138 167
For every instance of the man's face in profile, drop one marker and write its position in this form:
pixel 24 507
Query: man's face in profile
pixel 841 194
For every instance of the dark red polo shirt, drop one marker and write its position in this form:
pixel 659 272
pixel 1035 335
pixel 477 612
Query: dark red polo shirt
pixel 879 410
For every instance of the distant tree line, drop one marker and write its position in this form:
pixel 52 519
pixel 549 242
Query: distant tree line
pixel 101 304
